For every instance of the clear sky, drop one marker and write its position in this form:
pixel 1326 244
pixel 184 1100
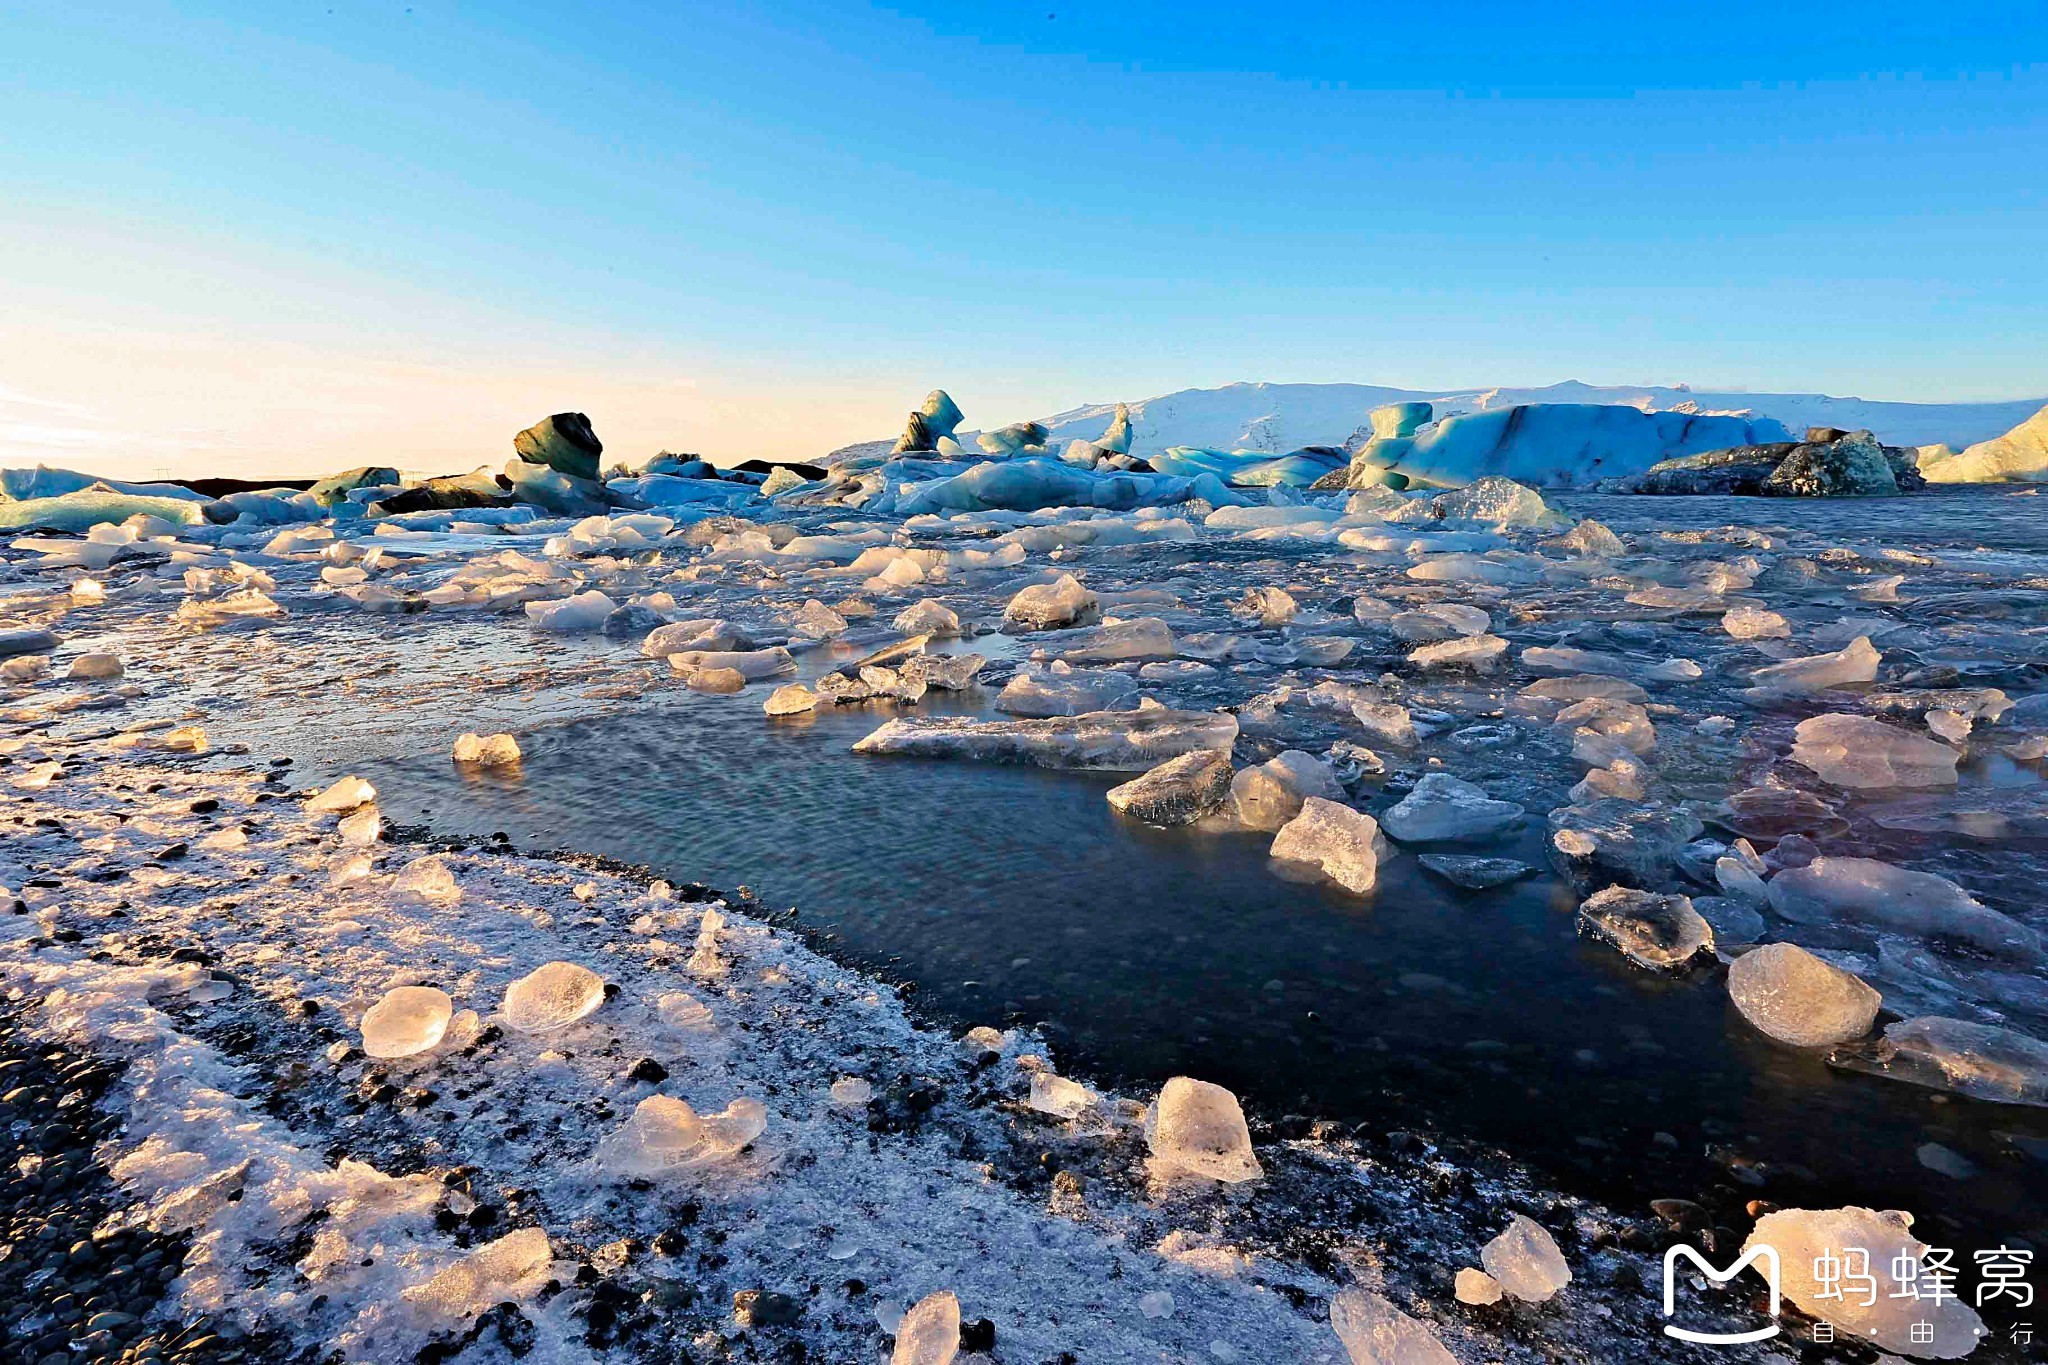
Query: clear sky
pixel 298 236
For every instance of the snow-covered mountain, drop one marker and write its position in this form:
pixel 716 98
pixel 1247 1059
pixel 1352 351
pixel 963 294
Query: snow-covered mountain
pixel 1282 417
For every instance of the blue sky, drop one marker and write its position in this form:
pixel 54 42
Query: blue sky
pixel 272 233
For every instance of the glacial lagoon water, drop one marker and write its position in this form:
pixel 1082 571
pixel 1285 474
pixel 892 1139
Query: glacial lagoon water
pixel 1012 894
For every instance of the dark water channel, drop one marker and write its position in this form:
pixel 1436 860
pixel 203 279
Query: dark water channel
pixel 1013 894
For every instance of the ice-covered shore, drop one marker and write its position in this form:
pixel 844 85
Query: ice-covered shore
pixel 194 917
pixel 1367 675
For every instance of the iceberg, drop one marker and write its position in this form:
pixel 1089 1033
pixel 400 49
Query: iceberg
pixel 2020 456
pixel 95 505
pixel 1566 445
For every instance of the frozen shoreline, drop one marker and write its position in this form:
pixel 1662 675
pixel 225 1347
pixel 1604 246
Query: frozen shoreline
pixel 1046 1227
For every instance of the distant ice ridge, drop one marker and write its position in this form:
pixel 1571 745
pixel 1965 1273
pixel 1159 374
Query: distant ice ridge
pixel 1283 417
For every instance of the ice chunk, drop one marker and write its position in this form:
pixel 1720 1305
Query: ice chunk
pixel 1604 730
pixel 665 1135
pixel 94 667
pixel 1808 1240
pixel 1269 795
pixel 428 880
pixel 928 617
pixel 1336 839
pixel 1613 840
pixel 1063 692
pixel 1439 621
pixel 1196 1128
pixel 1387 722
pixel 722 681
pixel 552 996
pixel 1442 807
pixel 1660 932
pixel 790 700
pixel 1476 1287
pixel 1178 791
pixel 1374 1332
pixel 679 637
pixel 1794 997
pixel 1949 725
pixel 512 1268
pixel 487 751
pixel 1475 874
pixel 752 665
pixel 1755 623
pixel 572 615
pixel 407 1020
pixel 929 1333
pixel 1048 606
pixel 1868 891
pixel 1499 503
pixel 1525 1261
pixel 944 672
pixel 1058 1096
pixel 1115 740
pixel 1591 539
pixel 1266 607
pixel 346 794
pixel 1855 662
pixel 1146 637
pixel 1480 653
pixel 1983 1061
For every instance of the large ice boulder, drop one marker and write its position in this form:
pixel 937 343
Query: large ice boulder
pixel 1446 808
pixel 564 442
pixel 1524 1260
pixel 1178 791
pixel 1565 445
pixel 1049 606
pixel 1267 796
pixel 1198 1129
pixel 1809 1241
pixel 1789 994
pixel 1339 842
pixel 2021 455
pixel 1499 503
